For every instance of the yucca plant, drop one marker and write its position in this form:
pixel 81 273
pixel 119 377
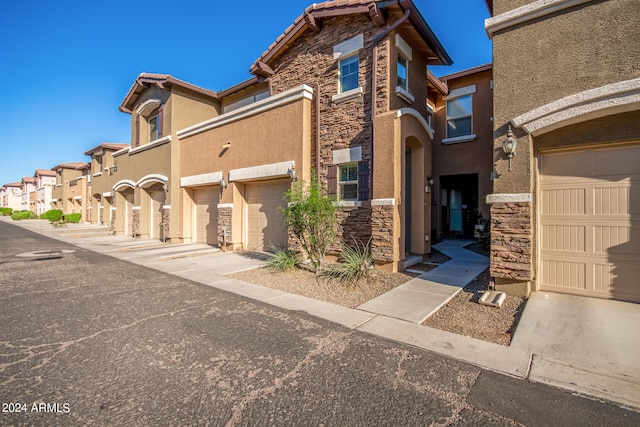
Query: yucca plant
pixel 282 259
pixel 356 262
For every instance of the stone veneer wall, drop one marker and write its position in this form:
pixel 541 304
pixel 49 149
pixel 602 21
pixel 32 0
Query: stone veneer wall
pixel 101 215
pixel 382 232
pixel 135 223
pixel 224 225
pixel 113 217
pixel 511 241
pixel 166 216
pixel 352 223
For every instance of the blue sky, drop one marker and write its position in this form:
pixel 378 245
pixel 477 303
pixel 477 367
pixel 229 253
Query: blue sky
pixel 65 65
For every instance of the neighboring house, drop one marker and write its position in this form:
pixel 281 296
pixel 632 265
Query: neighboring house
pixel 312 107
pixel 12 196
pixel 45 181
pixel 103 171
pixel 71 185
pixel 566 207
pixel 462 151
pixel 29 194
pixel 146 183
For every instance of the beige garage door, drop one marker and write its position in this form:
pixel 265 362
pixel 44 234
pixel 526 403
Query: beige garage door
pixel 206 215
pixel 265 225
pixel 590 222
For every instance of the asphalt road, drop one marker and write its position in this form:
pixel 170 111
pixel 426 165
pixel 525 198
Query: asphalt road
pixel 86 339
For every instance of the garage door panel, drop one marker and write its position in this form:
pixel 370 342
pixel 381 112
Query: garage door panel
pixel 206 215
pixel 265 224
pixel 588 221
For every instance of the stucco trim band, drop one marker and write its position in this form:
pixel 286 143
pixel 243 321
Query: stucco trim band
pixel 526 13
pixel 202 179
pixel 107 194
pixel 264 171
pixel 124 183
pixel 225 205
pixel 383 202
pixel 611 99
pixel 152 144
pixel 415 113
pixel 509 198
pixel 347 155
pixel 151 179
pixel 77 197
pixel 258 107
pixel 120 152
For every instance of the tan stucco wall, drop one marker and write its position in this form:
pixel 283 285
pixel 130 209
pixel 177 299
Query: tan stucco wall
pixel 541 61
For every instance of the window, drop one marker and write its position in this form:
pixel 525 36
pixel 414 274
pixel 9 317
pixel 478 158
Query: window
pixel 430 115
pixel 402 72
pixel 349 73
pixel 154 131
pixel 459 114
pixel 348 182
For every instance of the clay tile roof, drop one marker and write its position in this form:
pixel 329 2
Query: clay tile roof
pixel 28 180
pixel 344 7
pixel 73 165
pixel 145 80
pixel 45 172
pixel 113 146
pixel 13 184
pixel 467 72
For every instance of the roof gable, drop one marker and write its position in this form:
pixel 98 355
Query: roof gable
pixel 379 11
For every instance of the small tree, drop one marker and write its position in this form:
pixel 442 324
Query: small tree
pixel 311 215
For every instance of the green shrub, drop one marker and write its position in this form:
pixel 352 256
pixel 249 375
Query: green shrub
pixel 53 215
pixel 356 262
pixel 16 216
pixel 311 216
pixel 73 217
pixel 282 259
pixel 19 215
pixel 6 211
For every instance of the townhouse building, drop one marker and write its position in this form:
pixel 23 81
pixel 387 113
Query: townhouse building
pixel 45 181
pixel 565 205
pixel 29 194
pixel 71 189
pixel 12 196
pixel 102 175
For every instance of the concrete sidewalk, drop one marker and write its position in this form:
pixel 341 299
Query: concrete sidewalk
pixel 584 345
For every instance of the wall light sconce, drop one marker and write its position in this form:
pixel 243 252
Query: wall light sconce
pixel 293 174
pixel 509 146
pixel 223 184
pixel 429 180
pixel 165 187
pixel 226 146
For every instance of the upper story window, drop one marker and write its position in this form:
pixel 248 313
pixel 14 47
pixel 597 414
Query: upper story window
pixel 154 130
pixel 402 72
pixel 459 104
pixel 347 56
pixel 459 116
pixel 405 55
pixel 349 73
pixel 148 122
pixel 430 111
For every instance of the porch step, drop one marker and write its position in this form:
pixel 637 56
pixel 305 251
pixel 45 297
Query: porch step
pixel 411 260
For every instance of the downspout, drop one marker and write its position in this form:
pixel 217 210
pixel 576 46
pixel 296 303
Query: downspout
pixel 374 81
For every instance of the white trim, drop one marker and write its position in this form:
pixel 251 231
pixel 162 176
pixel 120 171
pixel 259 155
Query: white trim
pixel 120 152
pixel 611 99
pixel 152 144
pixel 151 178
pixel 350 94
pixel 77 197
pixel 97 174
pixel 456 139
pixel 144 106
pixel 404 95
pixel 275 101
pixel 461 91
pixel 404 48
pixel 166 206
pixel 112 208
pixel 225 205
pixel 415 113
pixel 347 155
pixel 509 198
pixel 135 208
pixel 124 183
pixel 263 171
pixel 528 12
pixel 348 47
pixel 107 194
pixel 349 203
pixel 202 179
pixel 383 202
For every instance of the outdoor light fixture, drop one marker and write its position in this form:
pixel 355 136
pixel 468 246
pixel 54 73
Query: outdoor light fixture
pixel 430 180
pixel 226 146
pixel 293 174
pixel 509 146
pixel 223 184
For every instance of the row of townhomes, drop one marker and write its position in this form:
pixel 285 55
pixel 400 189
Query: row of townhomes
pixel 545 142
